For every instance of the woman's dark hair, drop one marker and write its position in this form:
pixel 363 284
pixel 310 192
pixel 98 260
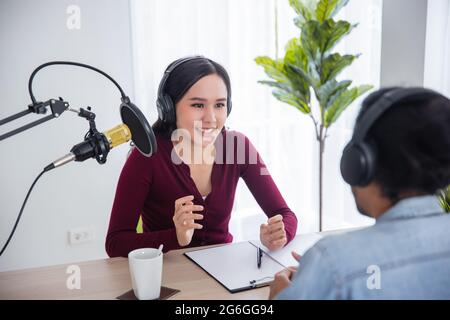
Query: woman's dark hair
pixel 182 78
pixel 412 140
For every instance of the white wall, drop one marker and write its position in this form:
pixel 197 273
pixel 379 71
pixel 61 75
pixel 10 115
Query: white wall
pixel 403 42
pixel 78 194
pixel 437 53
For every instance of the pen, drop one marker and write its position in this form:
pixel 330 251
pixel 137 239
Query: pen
pixel 259 256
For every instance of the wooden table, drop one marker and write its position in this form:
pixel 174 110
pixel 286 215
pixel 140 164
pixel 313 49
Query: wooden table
pixel 109 278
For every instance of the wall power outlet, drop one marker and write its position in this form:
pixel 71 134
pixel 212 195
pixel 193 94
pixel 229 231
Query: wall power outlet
pixel 81 235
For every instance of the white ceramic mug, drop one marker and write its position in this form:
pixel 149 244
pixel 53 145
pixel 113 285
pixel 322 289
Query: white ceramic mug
pixel 146 272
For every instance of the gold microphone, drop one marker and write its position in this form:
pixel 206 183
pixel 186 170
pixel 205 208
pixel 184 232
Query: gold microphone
pixel 118 135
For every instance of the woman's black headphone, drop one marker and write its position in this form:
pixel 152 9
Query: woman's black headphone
pixel 165 105
pixel 359 158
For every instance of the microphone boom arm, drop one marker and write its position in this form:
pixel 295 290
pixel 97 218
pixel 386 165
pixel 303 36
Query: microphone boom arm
pixel 57 107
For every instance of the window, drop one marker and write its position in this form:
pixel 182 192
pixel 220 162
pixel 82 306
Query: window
pixel 437 50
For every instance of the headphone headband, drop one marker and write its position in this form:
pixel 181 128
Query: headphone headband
pixel 172 67
pixel 359 158
pixel 164 103
pixel 382 104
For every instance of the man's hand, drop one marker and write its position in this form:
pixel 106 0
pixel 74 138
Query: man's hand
pixel 273 234
pixel 283 278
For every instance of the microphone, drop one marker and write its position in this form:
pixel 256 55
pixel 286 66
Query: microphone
pixel 93 146
pixel 134 127
pixel 97 145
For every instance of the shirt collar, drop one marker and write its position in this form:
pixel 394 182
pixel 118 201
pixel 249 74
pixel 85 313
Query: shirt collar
pixel 414 207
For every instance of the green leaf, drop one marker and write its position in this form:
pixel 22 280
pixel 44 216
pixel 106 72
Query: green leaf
pixel 304 9
pixel 310 79
pixel 310 40
pixel 318 39
pixel 274 69
pixel 341 102
pixel 314 74
pixel 286 79
pixel 327 9
pixel 291 100
pixel 278 85
pixel 299 21
pixel 444 198
pixel 330 89
pixel 333 32
pixel 300 84
pixel 336 94
pixel 296 56
pixel 309 62
pixel 334 64
pixel 287 88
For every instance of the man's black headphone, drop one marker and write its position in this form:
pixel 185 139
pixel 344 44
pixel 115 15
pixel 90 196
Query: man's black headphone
pixel 165 105
pixel 359 158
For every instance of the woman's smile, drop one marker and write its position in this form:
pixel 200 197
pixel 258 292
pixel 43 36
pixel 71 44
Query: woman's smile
pixel 208 133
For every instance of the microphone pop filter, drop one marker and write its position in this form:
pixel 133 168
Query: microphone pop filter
pixel 141 132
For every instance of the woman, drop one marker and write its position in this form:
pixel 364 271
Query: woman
pixel 185 191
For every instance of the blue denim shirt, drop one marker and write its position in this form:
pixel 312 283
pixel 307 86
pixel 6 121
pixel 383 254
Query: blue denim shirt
pixel 405 255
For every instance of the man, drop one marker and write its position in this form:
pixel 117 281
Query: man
pixel 397 160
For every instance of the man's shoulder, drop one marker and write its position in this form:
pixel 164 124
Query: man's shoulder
pixel 341 239
pixel 385 243
pixel 346 252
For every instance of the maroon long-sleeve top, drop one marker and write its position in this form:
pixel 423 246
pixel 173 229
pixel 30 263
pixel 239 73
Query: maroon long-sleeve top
pixel 148 187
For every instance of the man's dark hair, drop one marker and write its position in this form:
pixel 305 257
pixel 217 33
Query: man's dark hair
pixel 181 79
pixel 412 140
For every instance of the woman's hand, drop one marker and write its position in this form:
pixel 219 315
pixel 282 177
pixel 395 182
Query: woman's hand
pixel 184 219
pixel 272 234
pixel 283 278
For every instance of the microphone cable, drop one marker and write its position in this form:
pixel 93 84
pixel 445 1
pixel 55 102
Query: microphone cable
pixel 21 211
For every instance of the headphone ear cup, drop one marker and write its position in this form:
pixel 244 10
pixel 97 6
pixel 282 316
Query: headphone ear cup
pixel 169 112
pixel 358 164
pixel 229 106
pixel 370 154
pixel 160 108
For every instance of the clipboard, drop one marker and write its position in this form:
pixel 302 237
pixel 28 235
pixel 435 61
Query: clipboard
pixel 234 265
pixel 300 244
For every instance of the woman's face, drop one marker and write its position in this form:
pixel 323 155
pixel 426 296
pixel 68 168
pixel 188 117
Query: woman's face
pixel 203 110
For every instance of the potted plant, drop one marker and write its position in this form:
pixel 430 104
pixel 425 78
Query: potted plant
pixel 310 66
pixel 444 198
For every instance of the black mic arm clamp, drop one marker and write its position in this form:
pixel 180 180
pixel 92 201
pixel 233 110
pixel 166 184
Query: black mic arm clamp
pixel 95 144
pixel 57 106
pixel 87 114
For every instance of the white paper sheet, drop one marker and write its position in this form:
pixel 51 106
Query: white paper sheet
pixel 300 244
pixel 235 265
